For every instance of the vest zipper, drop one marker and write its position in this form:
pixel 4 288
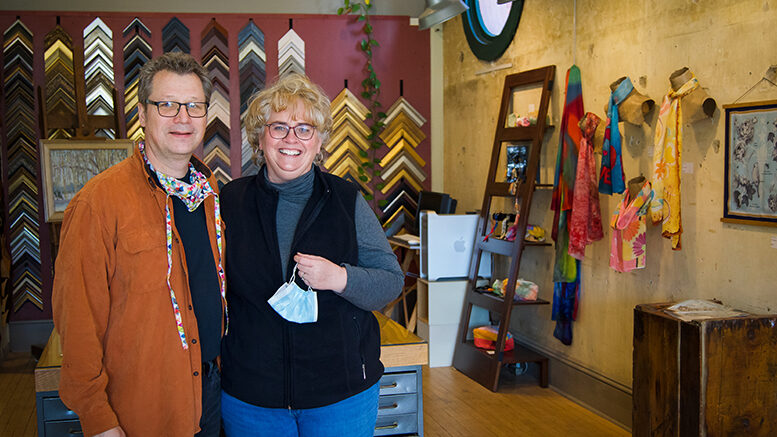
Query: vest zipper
pixel 361 353
pixel 303 226
pixel 287 365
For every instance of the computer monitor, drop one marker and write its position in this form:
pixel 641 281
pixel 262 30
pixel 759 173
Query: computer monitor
pixel 441 203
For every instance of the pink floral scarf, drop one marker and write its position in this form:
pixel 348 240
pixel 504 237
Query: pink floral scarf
pixel 629 236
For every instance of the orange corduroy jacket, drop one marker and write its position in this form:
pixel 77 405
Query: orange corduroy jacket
pixel 123 361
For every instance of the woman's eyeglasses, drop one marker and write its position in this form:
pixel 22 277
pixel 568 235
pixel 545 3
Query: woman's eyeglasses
pixel 280 130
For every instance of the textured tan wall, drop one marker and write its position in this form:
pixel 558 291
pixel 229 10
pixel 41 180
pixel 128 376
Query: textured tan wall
pixel 728 45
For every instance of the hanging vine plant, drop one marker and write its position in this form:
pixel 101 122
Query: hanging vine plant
pixel 368 170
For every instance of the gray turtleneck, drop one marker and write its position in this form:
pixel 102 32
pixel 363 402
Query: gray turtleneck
pixel 375 281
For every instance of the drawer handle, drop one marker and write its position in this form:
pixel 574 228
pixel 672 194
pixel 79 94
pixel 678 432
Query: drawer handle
pixel 392 385
pixel 388 407
pixel 392 426
pixel 72 431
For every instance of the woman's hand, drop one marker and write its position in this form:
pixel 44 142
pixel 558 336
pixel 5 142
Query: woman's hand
pixel 113 432
pixel 320 273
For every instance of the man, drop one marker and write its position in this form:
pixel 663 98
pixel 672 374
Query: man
pixel 139 287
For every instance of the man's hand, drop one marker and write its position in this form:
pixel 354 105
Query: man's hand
pixel 320 273
pixel 113 432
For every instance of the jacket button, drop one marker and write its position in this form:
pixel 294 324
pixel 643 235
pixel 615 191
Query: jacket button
pixel 194 341
pixel 196 373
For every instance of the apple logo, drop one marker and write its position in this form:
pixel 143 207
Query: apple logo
pixel 459 245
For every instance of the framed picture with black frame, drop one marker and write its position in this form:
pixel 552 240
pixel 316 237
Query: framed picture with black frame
pixel 750 170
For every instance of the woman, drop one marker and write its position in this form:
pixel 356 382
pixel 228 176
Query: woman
pixel 306 364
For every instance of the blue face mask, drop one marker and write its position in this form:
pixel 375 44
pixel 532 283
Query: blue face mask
pixel 293 303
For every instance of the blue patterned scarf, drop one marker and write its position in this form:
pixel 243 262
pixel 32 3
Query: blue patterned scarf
pixel 611 178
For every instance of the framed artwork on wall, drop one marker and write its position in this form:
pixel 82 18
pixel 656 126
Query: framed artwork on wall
pixel 67 165
pixel 750 188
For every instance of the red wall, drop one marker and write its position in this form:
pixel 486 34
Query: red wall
pixel 331 57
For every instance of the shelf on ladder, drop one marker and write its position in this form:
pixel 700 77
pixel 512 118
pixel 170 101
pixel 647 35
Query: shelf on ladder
pixel 480 365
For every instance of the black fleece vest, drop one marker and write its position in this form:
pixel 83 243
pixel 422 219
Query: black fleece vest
pixel 268 361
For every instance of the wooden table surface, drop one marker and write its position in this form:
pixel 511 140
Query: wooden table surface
pixel 47 370
pixel 401 242
pixel 398 347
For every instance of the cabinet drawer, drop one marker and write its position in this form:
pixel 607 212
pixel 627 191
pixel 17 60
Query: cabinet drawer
pixel 54 409
pixel 63 428
pixel 398 383
pixel 397 404
pixel 400 424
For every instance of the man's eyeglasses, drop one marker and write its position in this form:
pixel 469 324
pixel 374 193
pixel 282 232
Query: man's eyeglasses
pixel 171 109
pixel 280 130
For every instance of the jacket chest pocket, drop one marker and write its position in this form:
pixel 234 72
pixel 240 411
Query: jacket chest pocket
pixel 141 261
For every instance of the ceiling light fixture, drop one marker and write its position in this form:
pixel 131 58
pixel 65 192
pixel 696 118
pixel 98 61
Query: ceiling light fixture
pixel 439 11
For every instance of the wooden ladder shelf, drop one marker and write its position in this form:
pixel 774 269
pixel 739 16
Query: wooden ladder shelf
pixel 473 362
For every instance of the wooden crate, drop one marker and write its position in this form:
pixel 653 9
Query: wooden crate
pixel 714 377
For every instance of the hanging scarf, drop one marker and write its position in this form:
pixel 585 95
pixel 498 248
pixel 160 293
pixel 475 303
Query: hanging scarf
pixel 585 222
pixel 566 157
pixel 667 162
pixel 611 178
pixel 192 195
pixel 629 236
pixel 565 269
pixel 566 295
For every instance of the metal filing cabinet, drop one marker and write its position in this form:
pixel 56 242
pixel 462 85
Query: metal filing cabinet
pixel 400 406
pixel 54 418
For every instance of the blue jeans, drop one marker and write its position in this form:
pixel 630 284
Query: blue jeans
pixel 354 416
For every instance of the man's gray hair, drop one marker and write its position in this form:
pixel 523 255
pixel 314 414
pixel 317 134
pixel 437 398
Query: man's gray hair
pixel 176 62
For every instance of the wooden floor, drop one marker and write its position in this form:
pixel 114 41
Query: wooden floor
pixel 457 406
pixel 17 396
pixel 454 405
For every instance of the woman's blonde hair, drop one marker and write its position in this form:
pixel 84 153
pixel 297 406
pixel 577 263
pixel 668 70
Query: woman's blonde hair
pixel 288 90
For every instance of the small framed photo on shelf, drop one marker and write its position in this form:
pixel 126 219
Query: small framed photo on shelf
pixel 67 165
pixel 517 159
pixel 514 162
pixel 750 186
